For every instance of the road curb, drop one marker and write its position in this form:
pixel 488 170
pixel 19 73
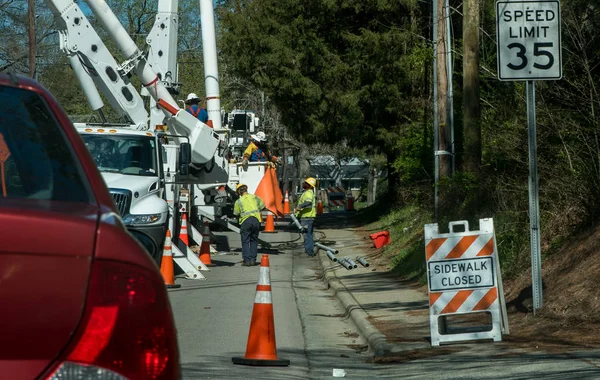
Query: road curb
pixel 375 339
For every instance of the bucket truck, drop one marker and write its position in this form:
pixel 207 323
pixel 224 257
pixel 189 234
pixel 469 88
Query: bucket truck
pixel 165 161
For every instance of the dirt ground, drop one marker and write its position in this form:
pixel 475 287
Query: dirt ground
pixel 571 305
pixel 570 314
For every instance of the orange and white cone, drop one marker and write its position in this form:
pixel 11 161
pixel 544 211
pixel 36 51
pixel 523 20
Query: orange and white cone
pixel 319 207
pixel 269 223
pixel 166 265
pixel 205 246
pixel 183 231
pixel 286 204
pixel 261 349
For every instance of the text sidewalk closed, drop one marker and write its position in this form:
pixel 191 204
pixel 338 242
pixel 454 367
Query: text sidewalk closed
pixel 461 274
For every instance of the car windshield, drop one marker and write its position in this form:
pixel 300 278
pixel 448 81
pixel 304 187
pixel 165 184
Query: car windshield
pixel 124 154
pixel 36 161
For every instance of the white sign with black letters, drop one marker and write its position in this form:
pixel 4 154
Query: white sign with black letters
pixel 528 37
pixel 461 274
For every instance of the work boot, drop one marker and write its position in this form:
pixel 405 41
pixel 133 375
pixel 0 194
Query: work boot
pixel 246 264
pixel 253 263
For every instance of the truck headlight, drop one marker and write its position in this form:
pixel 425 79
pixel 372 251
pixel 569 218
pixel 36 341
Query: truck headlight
pixel 142 219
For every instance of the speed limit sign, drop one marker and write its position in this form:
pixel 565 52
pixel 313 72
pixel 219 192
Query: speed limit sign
pixel 528 37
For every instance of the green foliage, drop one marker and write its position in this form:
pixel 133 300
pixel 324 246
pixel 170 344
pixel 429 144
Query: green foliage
pixel 409 162
pixel 337 71
pixel 406 249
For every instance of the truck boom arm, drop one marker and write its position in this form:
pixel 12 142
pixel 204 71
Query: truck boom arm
pixel 94 65
pixel 162 53
pixel 203 140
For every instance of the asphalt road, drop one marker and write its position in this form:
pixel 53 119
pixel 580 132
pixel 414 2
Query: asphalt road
pixel 314 333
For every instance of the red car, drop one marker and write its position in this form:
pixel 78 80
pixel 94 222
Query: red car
pixel 79 297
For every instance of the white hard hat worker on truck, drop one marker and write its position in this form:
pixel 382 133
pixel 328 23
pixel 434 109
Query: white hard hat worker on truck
pixel 258 151
pixel 248 208
pixel 193 106
pixel 306 210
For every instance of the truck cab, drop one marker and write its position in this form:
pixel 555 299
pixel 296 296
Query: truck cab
pixel 130 162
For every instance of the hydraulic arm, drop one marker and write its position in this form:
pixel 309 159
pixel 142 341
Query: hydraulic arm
pixel 162 53
pixel 204 141
pixel 94 65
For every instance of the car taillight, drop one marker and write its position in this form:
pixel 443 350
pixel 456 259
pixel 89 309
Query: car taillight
pixel 128 328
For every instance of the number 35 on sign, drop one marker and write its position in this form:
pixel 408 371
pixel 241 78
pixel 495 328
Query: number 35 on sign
pixel 528 37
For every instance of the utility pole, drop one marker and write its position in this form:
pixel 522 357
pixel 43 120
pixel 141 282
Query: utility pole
pixel 31 33
pixel 450 98
pixel 442 148
pixel 471 103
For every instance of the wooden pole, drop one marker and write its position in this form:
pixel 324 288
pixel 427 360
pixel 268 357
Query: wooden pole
pixel 31 33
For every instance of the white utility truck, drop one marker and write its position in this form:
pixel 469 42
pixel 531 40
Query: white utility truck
pixel 162 161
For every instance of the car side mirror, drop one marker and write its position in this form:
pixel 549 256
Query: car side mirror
pixel 185 158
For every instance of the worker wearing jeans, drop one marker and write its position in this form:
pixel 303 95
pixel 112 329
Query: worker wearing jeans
pixel 248 208
pixel 307 211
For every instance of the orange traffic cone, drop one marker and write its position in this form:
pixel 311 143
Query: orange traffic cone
pixel 319 207
pixel 261 348
pixel 183 231
pixel 205 246
pixel 166 265
pixel 286 204
pixel 270 223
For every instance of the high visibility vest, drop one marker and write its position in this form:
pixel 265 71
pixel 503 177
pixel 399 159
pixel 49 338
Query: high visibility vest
pixel 308 212
pixel 248 205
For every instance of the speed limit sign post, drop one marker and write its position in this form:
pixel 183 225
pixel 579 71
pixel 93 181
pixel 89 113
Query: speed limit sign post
pixel 528 38
pixel 528 34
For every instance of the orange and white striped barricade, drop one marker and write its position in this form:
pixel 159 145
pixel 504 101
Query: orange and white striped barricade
pixel 463 276
pixel 336 198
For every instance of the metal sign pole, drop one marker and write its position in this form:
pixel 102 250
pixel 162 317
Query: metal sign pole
pixel 534 206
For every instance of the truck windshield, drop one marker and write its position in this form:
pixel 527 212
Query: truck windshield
pixel 124 154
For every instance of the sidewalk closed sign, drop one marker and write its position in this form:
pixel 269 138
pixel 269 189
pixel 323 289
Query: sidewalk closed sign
pixel 461 274
pixel 463 278
pixel 528 40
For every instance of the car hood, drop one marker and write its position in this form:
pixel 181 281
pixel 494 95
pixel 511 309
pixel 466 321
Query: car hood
pixel 45 261
pixel 140 184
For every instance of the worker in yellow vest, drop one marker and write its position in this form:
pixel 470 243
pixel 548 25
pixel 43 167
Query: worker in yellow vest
pixel 247 208
pixel 306 210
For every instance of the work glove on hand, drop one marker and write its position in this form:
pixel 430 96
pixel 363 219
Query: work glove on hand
pixel 245 164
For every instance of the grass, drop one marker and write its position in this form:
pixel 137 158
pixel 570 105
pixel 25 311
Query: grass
pixel 406 251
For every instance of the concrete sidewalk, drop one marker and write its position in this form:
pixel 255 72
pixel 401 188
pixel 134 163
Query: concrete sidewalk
pixel 392 316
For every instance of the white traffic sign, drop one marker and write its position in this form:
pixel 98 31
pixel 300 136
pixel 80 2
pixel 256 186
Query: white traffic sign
pixel 528 38
pixel 461 274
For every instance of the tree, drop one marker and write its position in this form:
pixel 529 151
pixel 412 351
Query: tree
pixel 337 72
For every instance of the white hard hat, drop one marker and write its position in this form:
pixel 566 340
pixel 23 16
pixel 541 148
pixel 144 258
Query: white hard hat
pixel 260 137
pixel 192 96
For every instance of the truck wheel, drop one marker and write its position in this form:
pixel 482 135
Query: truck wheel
pixel 150 246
